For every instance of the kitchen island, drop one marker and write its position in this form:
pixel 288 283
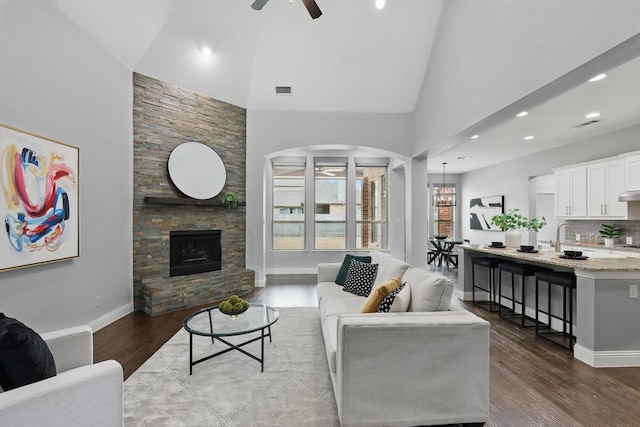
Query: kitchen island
pixel 606 316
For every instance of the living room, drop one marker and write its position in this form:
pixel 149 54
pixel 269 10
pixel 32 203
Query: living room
pixel 59 82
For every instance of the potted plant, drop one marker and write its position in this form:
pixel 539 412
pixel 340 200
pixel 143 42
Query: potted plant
pixel 610 232
pixel 513 222
pixel 230 200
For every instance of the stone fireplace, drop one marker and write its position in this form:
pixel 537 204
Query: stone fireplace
pixel 164 117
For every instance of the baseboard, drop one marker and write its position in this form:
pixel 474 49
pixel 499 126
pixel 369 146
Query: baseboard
pixel 607 359
pixel 468 296
pixel 110 317
pixel 260 283
pixel 313 270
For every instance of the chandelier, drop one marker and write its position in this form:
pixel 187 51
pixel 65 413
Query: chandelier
pixel 444 197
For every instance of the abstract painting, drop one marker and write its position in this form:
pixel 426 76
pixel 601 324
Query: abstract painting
pixel 482 209
pixel 38 200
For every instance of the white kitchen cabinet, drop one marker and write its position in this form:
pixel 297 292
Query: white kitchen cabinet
pixel 571 192
pixel 605 182
pixel 632 173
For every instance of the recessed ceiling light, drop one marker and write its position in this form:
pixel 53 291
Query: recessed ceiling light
pixel 206 51
pixel 463 158
pixel 380 4
pixel 592 115
pixel 528 137
pixel 598 77
pixel 475 137
pixel 522 114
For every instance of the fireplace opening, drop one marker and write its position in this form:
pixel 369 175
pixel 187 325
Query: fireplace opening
pixel 194 252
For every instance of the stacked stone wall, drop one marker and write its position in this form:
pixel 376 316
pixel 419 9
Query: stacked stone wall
pixel 165 116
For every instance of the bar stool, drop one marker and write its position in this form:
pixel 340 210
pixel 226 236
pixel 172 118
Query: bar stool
pixel 524 271
pixel 568 283
pixel 492 265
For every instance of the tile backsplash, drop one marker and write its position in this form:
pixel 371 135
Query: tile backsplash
pixel 588 230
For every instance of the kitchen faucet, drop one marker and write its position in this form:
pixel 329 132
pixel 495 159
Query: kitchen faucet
pixel 558 235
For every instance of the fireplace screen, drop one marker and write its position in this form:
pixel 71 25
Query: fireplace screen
pixel 195 252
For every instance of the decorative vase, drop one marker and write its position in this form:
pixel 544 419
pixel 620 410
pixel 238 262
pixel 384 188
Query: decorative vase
pixel 608 242
pixel 513 238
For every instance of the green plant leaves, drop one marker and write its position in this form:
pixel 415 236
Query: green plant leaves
pixel 513 220
pixel 610 231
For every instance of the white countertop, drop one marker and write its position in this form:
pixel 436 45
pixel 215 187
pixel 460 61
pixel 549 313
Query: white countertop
pixel 595 262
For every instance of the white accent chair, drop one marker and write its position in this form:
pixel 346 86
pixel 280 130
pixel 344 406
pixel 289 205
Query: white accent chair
pixel 81 394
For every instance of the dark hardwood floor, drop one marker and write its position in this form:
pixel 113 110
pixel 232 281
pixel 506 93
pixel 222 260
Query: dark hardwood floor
pixel 532 381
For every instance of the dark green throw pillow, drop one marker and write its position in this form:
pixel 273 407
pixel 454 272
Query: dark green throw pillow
pixel 24 356
pixel 342 274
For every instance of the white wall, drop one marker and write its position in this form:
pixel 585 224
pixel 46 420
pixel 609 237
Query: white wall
pixel 57 82
pixel 513 179
pixel 488 54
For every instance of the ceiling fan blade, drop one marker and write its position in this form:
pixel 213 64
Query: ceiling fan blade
pixel 312 7
pixel 259 4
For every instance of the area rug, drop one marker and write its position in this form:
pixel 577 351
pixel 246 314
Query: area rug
pixel 229 390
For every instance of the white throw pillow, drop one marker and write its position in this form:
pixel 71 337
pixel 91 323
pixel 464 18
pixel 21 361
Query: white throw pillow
pixel 377 256
pixel 402 300
pixel 429 292
pixel 388 268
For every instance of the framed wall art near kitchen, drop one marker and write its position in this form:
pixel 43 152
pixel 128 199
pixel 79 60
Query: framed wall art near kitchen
pixel 482 209
pixel 39 199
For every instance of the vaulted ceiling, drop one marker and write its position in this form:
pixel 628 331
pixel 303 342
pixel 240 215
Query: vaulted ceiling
pixel 354 58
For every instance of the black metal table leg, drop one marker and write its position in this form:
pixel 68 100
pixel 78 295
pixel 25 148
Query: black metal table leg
pixel 262 351
pixel 190 354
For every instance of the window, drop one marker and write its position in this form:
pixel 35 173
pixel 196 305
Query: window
pixel 288 207
pixel 371 207
pixel 330 206
pixel 443 217
pixel 350 206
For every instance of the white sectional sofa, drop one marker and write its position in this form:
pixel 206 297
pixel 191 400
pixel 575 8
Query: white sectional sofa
pixel 412 368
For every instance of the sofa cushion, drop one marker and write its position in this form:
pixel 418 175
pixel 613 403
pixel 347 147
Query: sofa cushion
pixel 396 301
pixel 377 256
pixel 376 296
pixel 344 268
pixel 335 305
pixel 429 292
pixel 24 356
pixel 389 268
pixel 328 288
pixel 360 278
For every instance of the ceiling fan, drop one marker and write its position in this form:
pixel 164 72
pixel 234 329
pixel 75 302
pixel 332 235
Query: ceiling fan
pixel 328 171
pixel 311 6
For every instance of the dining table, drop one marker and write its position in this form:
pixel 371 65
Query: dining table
pixel 442 252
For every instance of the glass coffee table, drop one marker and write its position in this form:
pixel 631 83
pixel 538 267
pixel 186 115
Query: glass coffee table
pixel 211 322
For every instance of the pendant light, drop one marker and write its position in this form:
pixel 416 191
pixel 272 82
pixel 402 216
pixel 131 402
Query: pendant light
pixel 443 197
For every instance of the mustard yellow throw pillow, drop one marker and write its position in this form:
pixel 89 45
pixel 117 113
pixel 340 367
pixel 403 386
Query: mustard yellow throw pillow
pixel 377 295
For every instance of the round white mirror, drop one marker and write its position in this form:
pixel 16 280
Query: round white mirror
pixel 197 170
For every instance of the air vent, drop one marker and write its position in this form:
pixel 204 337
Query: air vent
pixel 283 90
pixel 590 122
